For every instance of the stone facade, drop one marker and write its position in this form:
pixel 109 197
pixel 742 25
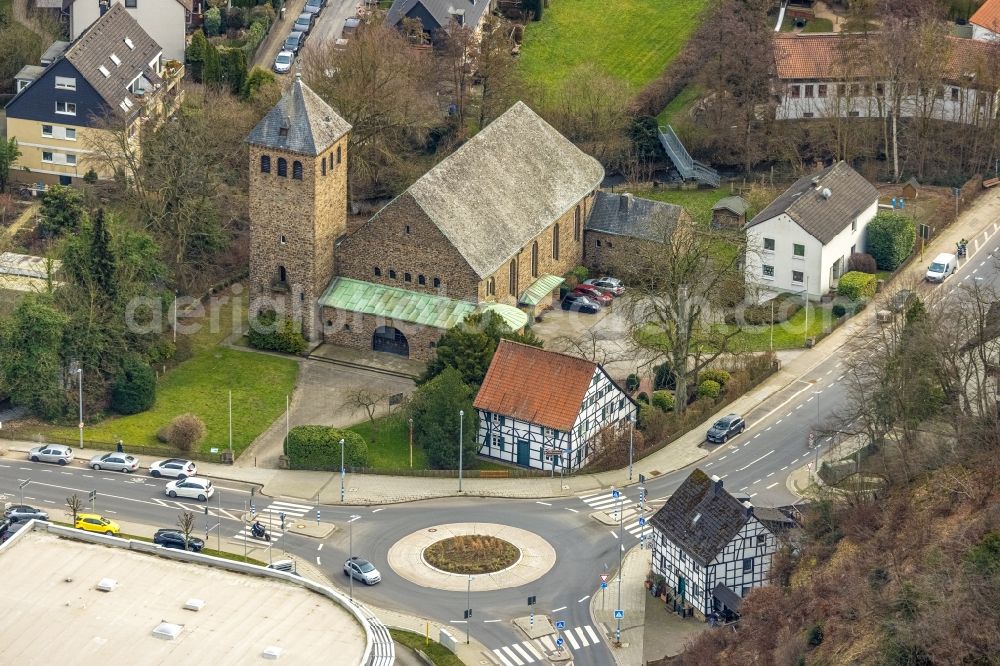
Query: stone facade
pixel 605 253
pixel 400 247
pixel 357 330
pixel 723 218
pixel 294 226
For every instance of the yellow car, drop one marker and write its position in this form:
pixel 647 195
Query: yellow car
pixel 93 522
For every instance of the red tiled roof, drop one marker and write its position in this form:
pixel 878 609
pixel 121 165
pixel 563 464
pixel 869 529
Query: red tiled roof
pixel 821 56
pixel 535 385
pixel 987 16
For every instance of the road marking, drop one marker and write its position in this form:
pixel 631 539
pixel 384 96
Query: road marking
pixel 800 406
pixel 756 461
pixel 756 482
pixel 840 377
pixel 556 610
pixel 809 400
pixel 769 475
pixel 26 497
pixel 838 364
pixel 568 635
pixel 723 476
pixel 771 486
pixel 767 428
pixel 377 510
pixel 4 465
pixel 66 473
pixel 593 636
pixel 29 468
pixel 569 509
pixel 110 511
pixel 353 519
pixel 523 653
pixel 516 662
pixel 88 476
pixel 777 422
pixel 458 622
pixel 580 601
pixel 789 414
pixel 543 503
pixel 49 471
pixel 796 460
pixel 613 534
pixel 755 436
pixel 107 478
pixel 783 468
pixel 982 263
pixel 49 501
pixel 828 371
pixel 317 561
pixel 753 494
pixel 723 457
pixel 488 621
pixel 532 650
pixel 320 547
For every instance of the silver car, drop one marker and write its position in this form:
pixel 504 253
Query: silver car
pixel 363 570
pixel 52 453
pixel 117 462
pixel 23 512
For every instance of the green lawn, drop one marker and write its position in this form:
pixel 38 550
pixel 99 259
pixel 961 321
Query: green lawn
pixel 787 335
pixel 679 105
pixel 812 25
pixel 437 653
pixel 698 203
pixel 259 383
pixel 632 39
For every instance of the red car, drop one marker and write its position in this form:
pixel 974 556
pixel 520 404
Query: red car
pixel 593 293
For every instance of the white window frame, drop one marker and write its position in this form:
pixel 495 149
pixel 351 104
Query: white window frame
pixel 66 107
pixel 799 256
pixel 50 133
pixel 66 132
pixel 70 159
pixel 764 272
pixel 65 83
pixel 802 281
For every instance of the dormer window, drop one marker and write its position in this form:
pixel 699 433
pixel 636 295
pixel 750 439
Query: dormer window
pixel 128 43
pixel 282 131
pixel 104 70
pixel 115 59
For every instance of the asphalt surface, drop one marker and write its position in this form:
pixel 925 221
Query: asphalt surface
pixel 755 465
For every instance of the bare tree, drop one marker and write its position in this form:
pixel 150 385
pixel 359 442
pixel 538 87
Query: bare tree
pixel 185 521
pixel 458 53
pixel 74 503
pixel 591 346
pixel 368 400
pixel 497 69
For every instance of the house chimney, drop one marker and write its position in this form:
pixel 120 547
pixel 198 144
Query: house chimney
pixel 826 193
pixel 623 202
pixel 716 485
pixel 747 508
pixel 815 182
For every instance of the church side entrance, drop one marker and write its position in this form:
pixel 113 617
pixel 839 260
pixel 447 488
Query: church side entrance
pixel 391 340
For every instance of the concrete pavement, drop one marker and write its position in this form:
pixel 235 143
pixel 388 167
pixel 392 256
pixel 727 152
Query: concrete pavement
pixel 603 604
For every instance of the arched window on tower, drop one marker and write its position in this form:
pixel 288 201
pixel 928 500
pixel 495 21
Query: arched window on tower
pixel 338 154
pixel 491 287
pixel 282 275
pixel 297 170
pixel 265 164
pixel 534 259
pixel 323 164
pixel 282 167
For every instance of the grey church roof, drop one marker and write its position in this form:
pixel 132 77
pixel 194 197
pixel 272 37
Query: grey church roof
pixel 627 215
pixel 822 217
pixel 701 517
pixel 301 122
pixel 441 10
pixel 505 186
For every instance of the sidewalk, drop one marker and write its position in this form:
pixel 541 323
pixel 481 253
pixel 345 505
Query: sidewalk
pixel 633 603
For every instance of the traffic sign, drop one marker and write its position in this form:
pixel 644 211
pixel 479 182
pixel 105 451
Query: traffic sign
pixel 317 516
pixel 642 479
pixel 253 509
pixel 559 642
pixel 93 495
pixel 531 601
pixel 604 578
pixel 615 494
pixel 560 624
pixel 642 521
pixel 604 586
pixel 619 614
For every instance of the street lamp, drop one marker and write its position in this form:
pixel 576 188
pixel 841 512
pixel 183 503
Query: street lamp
pixel 342 472
pixel 350 548
pixel 411 441
pixel 76 367
pixel 468 605
pixel 631 430
pixel 461 419
pixel 621 551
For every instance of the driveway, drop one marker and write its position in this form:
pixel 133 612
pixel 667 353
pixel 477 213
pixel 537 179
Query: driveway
pixel 319 399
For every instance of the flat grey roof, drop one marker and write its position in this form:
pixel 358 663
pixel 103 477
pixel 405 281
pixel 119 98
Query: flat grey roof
pixel 52 614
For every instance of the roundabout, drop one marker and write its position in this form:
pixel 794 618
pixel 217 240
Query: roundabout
pixel 487 556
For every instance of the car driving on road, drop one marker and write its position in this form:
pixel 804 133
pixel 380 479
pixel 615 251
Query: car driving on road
pixel 726 427
pixel 51 453
pixel 116 462
pixel 177 468
pixel 362 570
pixel 193 487
pixel 93 522
pixel 23 513
pixel 171 538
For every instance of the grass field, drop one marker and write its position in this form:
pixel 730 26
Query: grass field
pixel 437 653
pixel 812 25
pixel 632 39
pixel 791 334
pixel 698 203
pixel 679 105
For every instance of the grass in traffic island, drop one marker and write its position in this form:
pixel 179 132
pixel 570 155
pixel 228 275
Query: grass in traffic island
pixel 471 554
pixel 437 653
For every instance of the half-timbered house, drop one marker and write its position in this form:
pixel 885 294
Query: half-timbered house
pixel 544 409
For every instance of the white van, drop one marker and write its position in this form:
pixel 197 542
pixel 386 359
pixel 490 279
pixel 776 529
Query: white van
pixel 943 265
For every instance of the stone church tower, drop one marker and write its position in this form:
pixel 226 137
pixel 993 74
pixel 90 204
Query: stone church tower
pixel 298 204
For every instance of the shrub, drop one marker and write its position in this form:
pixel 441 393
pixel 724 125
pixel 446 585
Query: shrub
pixel 716 375
pixel 236 18
pixel 663 400
pixel 709 389
pixel 856 285
pixel 860 261
pixel 785 306
pixel 632 382
pixel 184 432
pixel 664 377
pixel 839 310
pixel 213 21
pixel 134 389
pixel 890 239
pixel 318 448
pixel 270 333
pixel 642 397
pixel 581 273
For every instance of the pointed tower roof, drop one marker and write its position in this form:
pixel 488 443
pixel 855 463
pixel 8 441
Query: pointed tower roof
pixel 300 122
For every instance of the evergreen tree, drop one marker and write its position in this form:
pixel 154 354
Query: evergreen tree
pixel 196 52
pixel 235 70
pixel 30 365
pixel 62 211
pixel 9 152
pixel 212 70
pixel 102 257
pixel 435 412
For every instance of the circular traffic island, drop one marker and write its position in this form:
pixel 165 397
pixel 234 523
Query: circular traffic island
pixel 472 554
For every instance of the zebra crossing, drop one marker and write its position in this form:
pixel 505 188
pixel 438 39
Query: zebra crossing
pixel 270 518
pixel 529 652
pixel 629 509
pixel 196 508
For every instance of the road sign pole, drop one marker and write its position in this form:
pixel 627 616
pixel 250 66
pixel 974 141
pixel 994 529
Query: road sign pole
pixel 21 486
pixel 621 555
pixel 468 613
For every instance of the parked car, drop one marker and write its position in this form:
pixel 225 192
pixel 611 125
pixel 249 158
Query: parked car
pixel 362 570
pixel 52 453
pixel 177 468
pixel 728 426
pixel 313 6
pixel 594 294
pixel 117 462
pixel 283 62
pixel 193 487
pixel 580 303
pixel 93 522
pixel 611 285
pixel 304 22
pixel 294 42
pixel 171 538
pixel 23 512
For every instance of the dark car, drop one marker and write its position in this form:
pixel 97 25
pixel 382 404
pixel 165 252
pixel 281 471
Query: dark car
pixel 577 302
pixel 313 6
pixel 726 427
pixel 594 294
pixel 23 512
pixel 294 42
pixel 304 22
pixel 175 539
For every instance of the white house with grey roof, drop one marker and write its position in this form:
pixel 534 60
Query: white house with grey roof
pixel 711 548
pixel 165 20
pixel 801 242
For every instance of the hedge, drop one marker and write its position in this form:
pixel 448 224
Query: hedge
pixel 318 448
pixel 785 306
pixel 709 389
pixel 134 389
pixel 856 285
pixel 269 333
pixel 890 239
pixel 717 375
pixel 663 400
